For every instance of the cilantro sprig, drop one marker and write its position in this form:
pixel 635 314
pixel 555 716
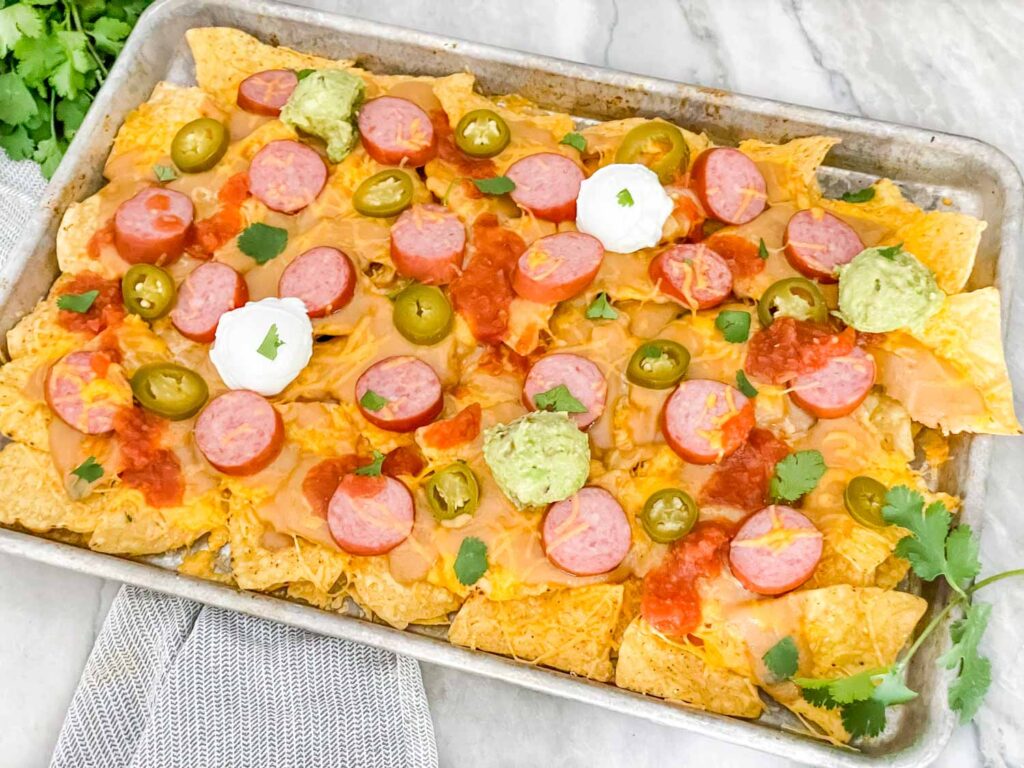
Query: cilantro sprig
pixel 601 308
pixel 796 475
pixel 77 302
pixel 374 468
pixel 54 54
pixel 262 242
pixel 934 550
pixel 471 562
pixel 496 185
pixel 558 399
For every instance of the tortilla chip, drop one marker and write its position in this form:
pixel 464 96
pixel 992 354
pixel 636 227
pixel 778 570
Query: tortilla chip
pixel 853 553
pixel 22 417
pixel 144 139
pixel 39 333
pixel 225 56
pixel 650 664
pixel 307 592
pixel 527 322
pixel 789 169
pixel 256 566
pixel 887 210
pixel 323 429
pixel 568 629
pixel 34 496
pixel 604 140
pixel 378 593
pixel 211 561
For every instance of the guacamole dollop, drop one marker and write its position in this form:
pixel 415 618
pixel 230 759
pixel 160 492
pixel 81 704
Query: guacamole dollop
pixel 324 104
pixel 538 459
pixel 883 289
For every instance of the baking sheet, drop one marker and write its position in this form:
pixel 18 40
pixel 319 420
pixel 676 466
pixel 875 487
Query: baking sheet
pixel 935 170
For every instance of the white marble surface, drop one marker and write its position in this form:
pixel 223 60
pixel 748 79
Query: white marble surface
pixel 943 64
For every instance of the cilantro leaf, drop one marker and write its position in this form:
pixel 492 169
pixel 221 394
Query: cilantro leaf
pixel 109 34
pixel 69 77
pixel 782 659
pixel 744 385
pixel 88 470
pixel 891 252
pixel 558 399
pixel 925 546
pixel 962 563
pixel 497 185
pixel 302 74
pixel 17 21
pixel 816 692
pixel 893 690
pixel 601 308
pixel 860 196
pixel 262 242
pixel 858 687
pixel 864 718
pixel 734 325
pixel 16 142
pixel 575 140
pixel 165 172
pixel 270 344
pixel 77 302
pixel 624 198
pixel 796 475
pixel 373 469
pixel 975 671
pixel 36 57
pixel 762 250
pixel 471 562
pixel 71 112
pixel 48 154
pixel 371 401
pixel 19 106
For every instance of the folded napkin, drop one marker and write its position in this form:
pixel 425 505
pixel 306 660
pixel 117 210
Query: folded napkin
pixel 171 682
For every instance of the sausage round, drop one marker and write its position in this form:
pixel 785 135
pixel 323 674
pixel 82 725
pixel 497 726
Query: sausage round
pixel 557 267
pixel 323 277
pixel 692 274
pixel 370 515
pixel 704 421
pixel 153 226
pixel 581 377
pixel 547 185
pixel 210 290
pixel 427 244
pixel 410 389
pixel 729 185
pixel 65 383
pixel 775 550
pixel 395 131
pixel 837 388
pixel 266 92
pixel 817 242
pixel 239 432
pixel 586 534
pixel 286 175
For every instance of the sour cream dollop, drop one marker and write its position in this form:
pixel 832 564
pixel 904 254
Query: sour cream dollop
pixel 624 206
pixel 264 345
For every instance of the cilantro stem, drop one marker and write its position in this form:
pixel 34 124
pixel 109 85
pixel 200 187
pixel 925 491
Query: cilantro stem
pixel 87 35
pixel 995 578
pixel 957 600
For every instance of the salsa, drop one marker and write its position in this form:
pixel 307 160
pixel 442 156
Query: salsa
pixel 322 481
pixel 145 465
pixel 482 294
pixel 460 428
pixel 102 237
pixel 670 601
pixel 790 347
pixel 403 460
pixel 742 479
pixel 106 310
pixel 210 234
pixel 739 253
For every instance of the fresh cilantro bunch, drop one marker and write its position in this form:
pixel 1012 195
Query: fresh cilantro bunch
pixel 54 54
pixel 934 550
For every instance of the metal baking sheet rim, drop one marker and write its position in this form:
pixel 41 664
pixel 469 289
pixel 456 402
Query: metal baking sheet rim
pixel 66 187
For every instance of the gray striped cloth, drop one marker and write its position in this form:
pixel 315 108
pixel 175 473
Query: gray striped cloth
pixel 171 682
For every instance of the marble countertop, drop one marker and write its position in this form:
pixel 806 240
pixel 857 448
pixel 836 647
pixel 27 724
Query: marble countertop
pixel 952 65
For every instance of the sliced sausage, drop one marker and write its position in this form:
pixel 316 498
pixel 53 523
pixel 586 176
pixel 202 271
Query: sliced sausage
pixel 547 185
pixel 557 267
pixel 817 242
pixel 775 550
pixel 427 244
pixel 370 515
pixel 409 389
pixel 286 175
pixel 239 432
pixel 210 290
pixel 266 92
pixel 395 131
pixel 729 185
pixel 693 274
pixel 586 534
pixel 837 388
pixel 704 421
pixel 153 226
pixel 72 395
pixel 323 277
pixel 581 377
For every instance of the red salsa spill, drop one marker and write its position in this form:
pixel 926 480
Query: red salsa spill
pixel 144 464
pixel 741 480
pixel 460 428
pixel 790 347
pixel 210 234
pixel 106 311
pixel 739 253
pixel 322 481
